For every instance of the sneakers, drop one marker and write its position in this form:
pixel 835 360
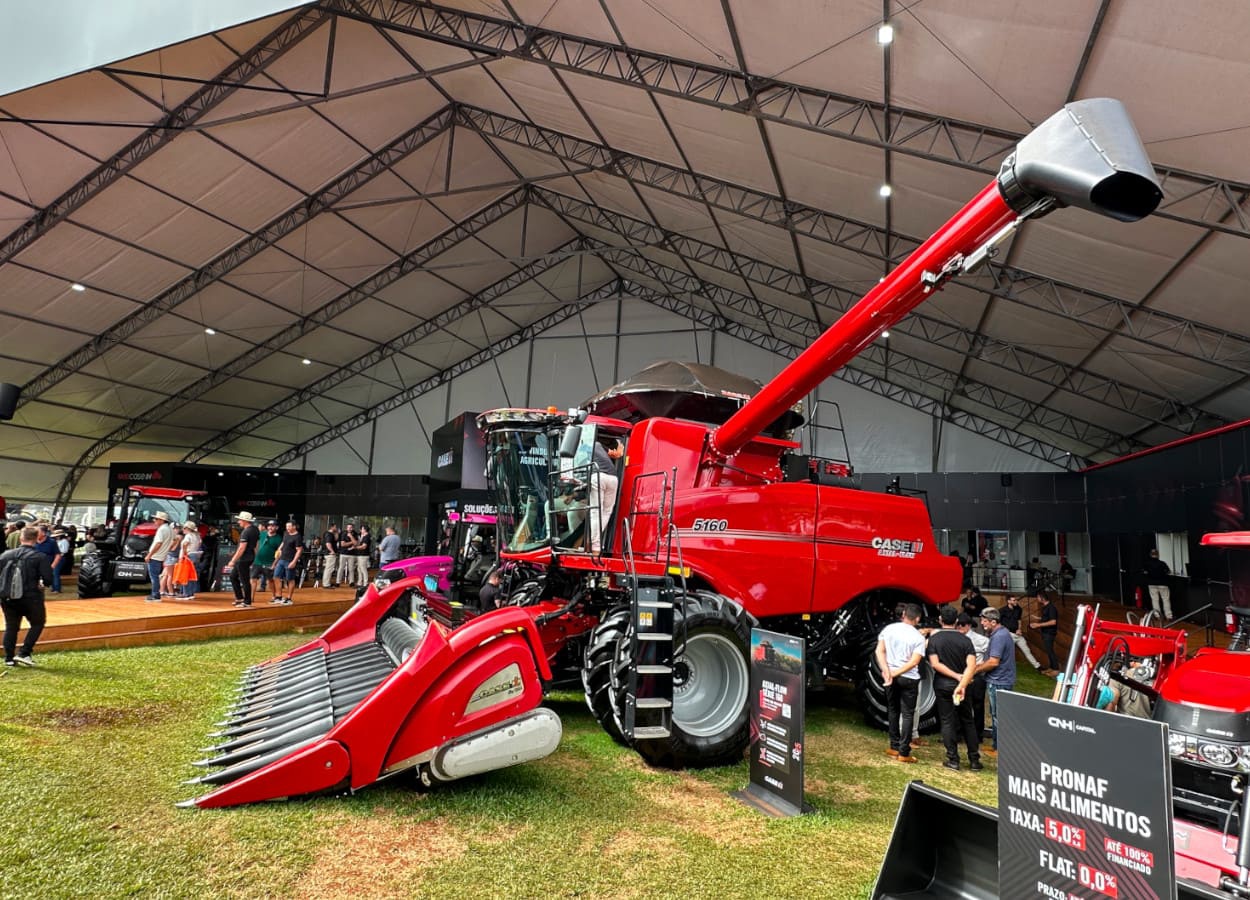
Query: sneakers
pixel 283 601
pixel 908 759
pixel 151 599
pixel 951 764
pixel 976 766
pixel 275 600
pixel 10 664
pixel 242 604
pixel 24 661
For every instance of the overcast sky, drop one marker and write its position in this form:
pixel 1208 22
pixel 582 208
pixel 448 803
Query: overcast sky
pixel 42 40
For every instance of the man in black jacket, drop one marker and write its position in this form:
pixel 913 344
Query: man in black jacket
pixel 1157 573
pixel 36 573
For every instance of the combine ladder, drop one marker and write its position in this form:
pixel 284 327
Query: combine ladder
pixel 653 644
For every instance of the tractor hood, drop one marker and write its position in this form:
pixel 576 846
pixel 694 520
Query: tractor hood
pixel 1222 681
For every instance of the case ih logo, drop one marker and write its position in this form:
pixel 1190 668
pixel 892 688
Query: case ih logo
pixel 139 476
pixel 896 548
pixel 446 459
pixel 257 504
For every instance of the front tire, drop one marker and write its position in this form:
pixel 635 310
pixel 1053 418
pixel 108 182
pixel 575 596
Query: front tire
pixel 597 669
pixel 711 722
pixel 870 693
pixel 93 577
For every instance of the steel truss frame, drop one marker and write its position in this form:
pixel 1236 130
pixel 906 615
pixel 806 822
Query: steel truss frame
pixel 405 265
pixel 1190 197
pixel 523 335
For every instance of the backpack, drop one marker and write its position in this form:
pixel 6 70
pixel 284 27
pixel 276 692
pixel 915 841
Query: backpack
pixel 12 577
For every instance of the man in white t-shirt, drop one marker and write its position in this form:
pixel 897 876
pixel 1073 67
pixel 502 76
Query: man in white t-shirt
pixel 162 542
pixel 900 649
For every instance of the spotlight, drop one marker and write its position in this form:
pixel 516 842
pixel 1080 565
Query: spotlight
pixel 885 334
pixel 307 362
pixel 885 35
pixel 210 331
pixel 77 287
pixel 885 190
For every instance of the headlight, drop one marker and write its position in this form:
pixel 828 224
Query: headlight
pixel 1176 744
pixel 1217 754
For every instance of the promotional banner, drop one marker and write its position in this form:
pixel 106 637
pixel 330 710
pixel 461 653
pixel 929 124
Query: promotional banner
pixel 777 710
pixel 1084 803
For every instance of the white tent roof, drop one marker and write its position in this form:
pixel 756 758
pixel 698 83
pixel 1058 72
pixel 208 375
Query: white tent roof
pixel 394 192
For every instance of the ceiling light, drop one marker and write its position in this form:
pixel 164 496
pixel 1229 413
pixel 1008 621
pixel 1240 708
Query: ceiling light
pixel 885 334
pixel 209 331
pixel 885 190
pixel 220 474
pixel 885 34
pixel 77 287
pixel 307 362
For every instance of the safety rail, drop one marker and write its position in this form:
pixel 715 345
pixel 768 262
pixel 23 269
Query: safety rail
pixel 662 514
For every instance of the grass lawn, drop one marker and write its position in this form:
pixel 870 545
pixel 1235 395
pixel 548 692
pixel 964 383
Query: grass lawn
pixel 94 745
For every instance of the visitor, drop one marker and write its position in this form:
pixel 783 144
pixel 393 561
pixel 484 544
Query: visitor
pixel 289 553
pixel 1047 622
pixel 240 563
pixel 192 549
pixel 388 548
pixel 976 690
pixel 267 546
pixel 900 650
pixel 162 543
pixel 347 559
pixel 1157 573
pixel 999 668
pixel 329 565
pixel 361 554
pixel 1010 616
pixel 488 596
pixel 36 571
pixel 954 663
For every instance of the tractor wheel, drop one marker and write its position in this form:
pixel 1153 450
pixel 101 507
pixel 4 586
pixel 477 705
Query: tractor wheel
pixel 871 695
pixel 711 686
pixel 524 594
pixel 597 669
pixel 93 577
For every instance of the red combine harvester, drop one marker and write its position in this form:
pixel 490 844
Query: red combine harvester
pixel 1205 701
pixel 649 587
pixel 118 562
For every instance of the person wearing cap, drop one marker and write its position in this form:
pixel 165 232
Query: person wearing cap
pixel 162 542
pixel 61 539
pixel 191 550
pixel 999 668
pixel 240 564
pixel 1047 622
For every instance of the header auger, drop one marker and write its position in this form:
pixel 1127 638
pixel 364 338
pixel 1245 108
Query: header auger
pixel 654 567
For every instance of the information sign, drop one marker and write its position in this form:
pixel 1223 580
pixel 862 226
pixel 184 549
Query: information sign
pixel 1084 802
pixel 777 709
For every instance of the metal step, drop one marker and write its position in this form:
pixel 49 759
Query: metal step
pixel 654 637
pixel 650 733
pixel 655 670
pixel 652 703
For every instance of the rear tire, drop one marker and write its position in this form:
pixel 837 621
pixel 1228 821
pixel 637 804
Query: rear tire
pixel 93 577
pixel 711 723
pixel 597 669
pixel 870 693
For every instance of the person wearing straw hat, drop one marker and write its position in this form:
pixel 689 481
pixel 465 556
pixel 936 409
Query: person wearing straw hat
pixel 162 543
pixel 241 562
pixel 192 548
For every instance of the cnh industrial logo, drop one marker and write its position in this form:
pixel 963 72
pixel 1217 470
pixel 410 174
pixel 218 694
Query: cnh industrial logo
pixel 139 476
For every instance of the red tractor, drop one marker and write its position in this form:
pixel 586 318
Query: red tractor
pixel 117 562
pixel 655 565
pixel 1205 701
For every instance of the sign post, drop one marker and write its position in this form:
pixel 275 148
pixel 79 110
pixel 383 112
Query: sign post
pixel 778 676
pixel 1084 803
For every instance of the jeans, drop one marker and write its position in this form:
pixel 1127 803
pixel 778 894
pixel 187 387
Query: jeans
pixel 900 697
pixel 56 575
pixel 36 614
pixel 991 692
pixel 155 567
pixel 957 723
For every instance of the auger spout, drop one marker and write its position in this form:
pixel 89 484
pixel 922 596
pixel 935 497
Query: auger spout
pixel 1086 155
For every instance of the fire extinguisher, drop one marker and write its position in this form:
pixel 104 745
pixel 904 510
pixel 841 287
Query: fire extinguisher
pixel 1137 595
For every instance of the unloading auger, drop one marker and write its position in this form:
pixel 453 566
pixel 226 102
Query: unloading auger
pixel 384 691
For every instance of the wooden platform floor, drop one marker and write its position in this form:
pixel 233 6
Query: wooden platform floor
pixel 129 620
